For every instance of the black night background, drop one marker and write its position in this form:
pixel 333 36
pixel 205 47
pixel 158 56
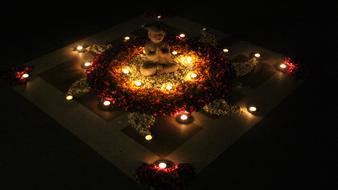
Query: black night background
pixel 294 147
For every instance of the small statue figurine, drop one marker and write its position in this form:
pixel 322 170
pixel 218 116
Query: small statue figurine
pixel 158 57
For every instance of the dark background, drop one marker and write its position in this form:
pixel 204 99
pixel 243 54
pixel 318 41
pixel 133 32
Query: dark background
pixel 294 147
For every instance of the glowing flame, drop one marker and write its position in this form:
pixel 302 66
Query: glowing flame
pixel 257 55
pixel 79 48
pixel 162 165
pixel 125 70
pixel 138 83
pixel 106 103
pixel 193 75
pixel 148 137
pixel 69 97
pixel 126 38
pixel 26 75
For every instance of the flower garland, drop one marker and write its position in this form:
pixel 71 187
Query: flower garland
pixel 141 122
pixel 79 88
pixel 16 75
pixel 243 65
pixel 220 108
pixel 291 66
pixel 107 83
pixel 98 48
pixel 175 177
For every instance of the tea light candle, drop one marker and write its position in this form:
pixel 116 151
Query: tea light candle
pixel 189 59
pixel 86 64
pixel 257 55
pixel 169 87
pixel 106 103
pixel 252 109
pixel 148 137
pixel 69 97
pixel 184 117
pixel 79 48
pixel 182 35
pixel 126 38
pixel 138 83
pixel 193 75
pixel 282 66
pixel 125 70
pixel 25 75
pixel 162 165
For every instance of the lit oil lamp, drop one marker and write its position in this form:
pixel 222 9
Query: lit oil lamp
pixel 69 97
pixel 79 48
pixel 148 137
pixel 138 83
pixel 25 76
pixel 125 70
pixel 169 87
pixel 252 109
pixel 162 165
pixel 126 38
pixel 257 55
pixel 193 75
pixel 106 103
pixel 182 35
pixel 184 118
pixel 86 64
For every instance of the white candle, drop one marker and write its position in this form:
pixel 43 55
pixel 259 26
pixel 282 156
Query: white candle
pixel 193 75
pixel 69 97
pixel 257 55
pixel 79 48
pixel 148 137
pixel 26 75
pixel 106 103
pixel 182 35
pixel 162 165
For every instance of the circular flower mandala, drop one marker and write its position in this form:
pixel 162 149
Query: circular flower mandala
pixel 204 75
